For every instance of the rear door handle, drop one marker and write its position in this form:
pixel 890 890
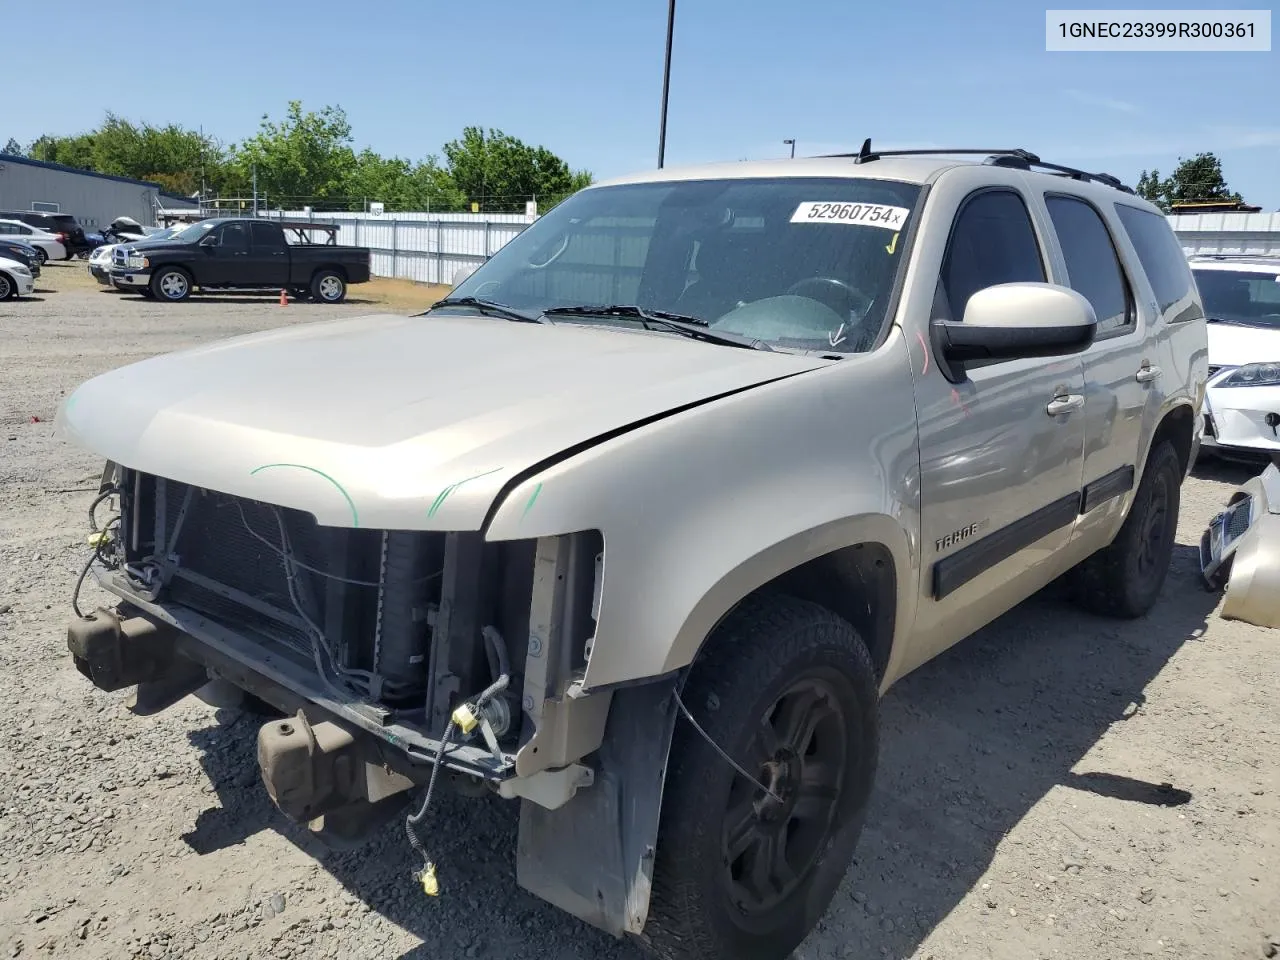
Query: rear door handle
pixel 1064 403
pixel 1147 373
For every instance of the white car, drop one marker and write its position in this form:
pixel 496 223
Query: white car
pixel 99 263
pixel 15 279
pixel 1242 303
pixel 49 245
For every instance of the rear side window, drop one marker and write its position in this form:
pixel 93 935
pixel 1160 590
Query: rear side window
pixel 992 242
pixel 1161 257
pixel 1093 267
pixel 267 236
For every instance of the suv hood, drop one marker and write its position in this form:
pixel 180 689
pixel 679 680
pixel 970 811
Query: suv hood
pixel 396 422
pixel 1232 345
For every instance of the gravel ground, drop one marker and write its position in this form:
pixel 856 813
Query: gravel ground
pixel 1056 786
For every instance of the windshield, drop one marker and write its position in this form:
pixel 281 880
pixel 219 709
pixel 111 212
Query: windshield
pixel 800 263
pixel 194 232
pixel 1239 296
pixel 163 234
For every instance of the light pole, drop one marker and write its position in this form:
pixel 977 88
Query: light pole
pixel 793 147
pixel 666 84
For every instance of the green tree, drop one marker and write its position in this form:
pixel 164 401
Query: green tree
pixel 403 185
pixel 303 158
pixel 13 148
pixel 170 155
pixel 500 172
pixel 1197 179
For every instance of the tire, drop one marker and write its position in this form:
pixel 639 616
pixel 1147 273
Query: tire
pixel 1124 578
pixel 328 286
pixel 42 255
pixel 172 284
pixel 8 289
pixel 771 659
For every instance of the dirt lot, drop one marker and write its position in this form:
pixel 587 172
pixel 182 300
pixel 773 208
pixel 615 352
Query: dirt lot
pixel 1019 812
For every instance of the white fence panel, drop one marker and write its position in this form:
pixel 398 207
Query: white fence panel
pixel 426 247
pixel 1256 234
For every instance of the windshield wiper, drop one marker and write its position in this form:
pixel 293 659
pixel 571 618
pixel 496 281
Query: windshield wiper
pixel 694 327
pixel 490 307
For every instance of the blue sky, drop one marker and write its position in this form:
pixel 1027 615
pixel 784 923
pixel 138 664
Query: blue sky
pixel 583 77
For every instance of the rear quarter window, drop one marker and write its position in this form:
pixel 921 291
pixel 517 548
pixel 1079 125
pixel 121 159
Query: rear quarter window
pixel 1162 260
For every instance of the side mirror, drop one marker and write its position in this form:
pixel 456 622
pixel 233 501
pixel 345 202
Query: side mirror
pixel 209 240
pixel 1011 321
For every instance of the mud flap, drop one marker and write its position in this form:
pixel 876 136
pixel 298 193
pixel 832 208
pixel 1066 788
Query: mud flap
pixel 593 857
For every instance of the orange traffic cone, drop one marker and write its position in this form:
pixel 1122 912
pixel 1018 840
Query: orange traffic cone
pixel 284 299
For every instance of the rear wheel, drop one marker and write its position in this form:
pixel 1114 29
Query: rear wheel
pixel 8 289
pixel 329 286
pixel 171 283
pixel 1124 578
pixel 789 691
pixel 42 255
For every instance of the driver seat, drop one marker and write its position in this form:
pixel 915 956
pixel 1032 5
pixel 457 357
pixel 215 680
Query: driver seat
pixel 724 277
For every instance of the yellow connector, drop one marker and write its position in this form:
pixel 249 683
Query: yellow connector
pixel 430 886
pixel 97 538
pixel 465 718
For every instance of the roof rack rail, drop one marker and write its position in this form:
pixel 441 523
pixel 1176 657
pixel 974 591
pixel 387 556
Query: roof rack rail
pixel 1016 157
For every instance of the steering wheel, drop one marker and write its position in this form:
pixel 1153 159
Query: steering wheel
pixel 823 287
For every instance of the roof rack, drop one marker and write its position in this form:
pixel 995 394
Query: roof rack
pixel 1235 256
pixel 1016 157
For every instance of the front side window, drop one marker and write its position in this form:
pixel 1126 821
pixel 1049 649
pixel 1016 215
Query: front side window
pixel 992 242
pixel 1241 297
pixel 235 236
pixel 800 263
pixel 1093 266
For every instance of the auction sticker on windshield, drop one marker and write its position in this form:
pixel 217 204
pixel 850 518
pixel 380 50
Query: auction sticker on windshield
pixel 865 214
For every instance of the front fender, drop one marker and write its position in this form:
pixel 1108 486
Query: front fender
pixel 702 507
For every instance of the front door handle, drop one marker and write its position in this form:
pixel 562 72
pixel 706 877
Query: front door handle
pixel 1147 373
pixel 1064 403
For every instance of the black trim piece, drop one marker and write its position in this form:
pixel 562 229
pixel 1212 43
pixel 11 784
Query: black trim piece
pixel 572 451
pixel 1107 487
pixel 953 572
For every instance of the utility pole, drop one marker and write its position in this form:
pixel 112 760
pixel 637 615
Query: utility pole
pixel 793 147
pixel 255 189
pixel 666 84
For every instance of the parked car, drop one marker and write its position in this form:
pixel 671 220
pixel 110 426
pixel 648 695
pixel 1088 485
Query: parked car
pixel 50 246
pixel 15 279
pixel 639 523
pixel 24 253
pixel 99 262
pixel 55 223
pixel 242 254
pixel 1242 302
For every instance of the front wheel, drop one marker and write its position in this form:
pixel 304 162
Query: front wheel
pixel 1124 579
pixel 788 690
pixel 8 289
pixel 171 283
pixel 329 286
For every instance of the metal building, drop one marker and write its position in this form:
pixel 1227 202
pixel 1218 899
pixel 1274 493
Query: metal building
pixel 95 199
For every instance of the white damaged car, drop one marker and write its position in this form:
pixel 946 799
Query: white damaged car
pixel 1242 304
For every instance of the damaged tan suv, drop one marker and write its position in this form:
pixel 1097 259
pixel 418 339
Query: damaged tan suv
pixel 637 525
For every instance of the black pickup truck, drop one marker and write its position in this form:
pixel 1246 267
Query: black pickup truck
pixel 241 254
